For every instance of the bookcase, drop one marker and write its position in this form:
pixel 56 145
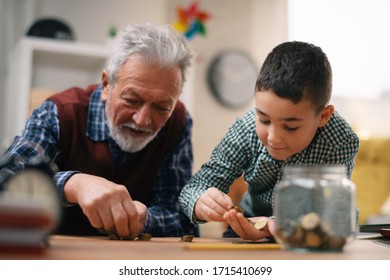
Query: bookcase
pixel 39 67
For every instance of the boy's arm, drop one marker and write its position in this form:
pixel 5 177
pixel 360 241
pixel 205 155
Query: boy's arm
pixel 227 163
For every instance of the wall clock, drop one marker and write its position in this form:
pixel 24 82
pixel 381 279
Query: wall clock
pixel 231 77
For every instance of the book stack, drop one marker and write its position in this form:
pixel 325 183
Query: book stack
pixel 25 223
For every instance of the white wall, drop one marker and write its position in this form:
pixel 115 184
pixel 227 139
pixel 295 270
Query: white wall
pixel 91 19
pixel 355 36
pixel 368 117
pixel 15 17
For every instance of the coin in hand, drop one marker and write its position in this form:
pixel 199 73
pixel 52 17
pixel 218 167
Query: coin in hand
pixel 261 223
pixel 237 208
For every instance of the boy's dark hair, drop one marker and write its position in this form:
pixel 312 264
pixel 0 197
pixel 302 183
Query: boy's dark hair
pixel 296 71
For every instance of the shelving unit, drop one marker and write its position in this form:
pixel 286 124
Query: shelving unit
pixel 44 66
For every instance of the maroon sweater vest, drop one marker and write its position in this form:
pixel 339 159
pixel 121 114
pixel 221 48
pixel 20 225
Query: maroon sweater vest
pixel 78 152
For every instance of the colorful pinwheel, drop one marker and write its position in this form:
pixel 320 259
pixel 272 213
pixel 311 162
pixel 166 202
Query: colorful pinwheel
pixel 191 21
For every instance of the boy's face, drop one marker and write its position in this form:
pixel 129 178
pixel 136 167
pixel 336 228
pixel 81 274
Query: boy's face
pixel 286 128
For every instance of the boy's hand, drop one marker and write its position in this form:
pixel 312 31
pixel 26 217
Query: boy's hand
pixel 245 229
pixel 212 205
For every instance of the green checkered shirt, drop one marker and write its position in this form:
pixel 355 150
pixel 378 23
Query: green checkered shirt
pixel 240 152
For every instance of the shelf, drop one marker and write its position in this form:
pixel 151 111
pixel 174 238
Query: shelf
pixel 63 48
pixel 50 65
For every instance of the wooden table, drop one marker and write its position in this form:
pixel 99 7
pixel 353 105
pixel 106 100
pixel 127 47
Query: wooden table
pixel 101 248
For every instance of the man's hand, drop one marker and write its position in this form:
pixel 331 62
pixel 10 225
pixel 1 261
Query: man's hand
pixel 245 229
pixel 212 205
pixel 142 212
pixel 106 204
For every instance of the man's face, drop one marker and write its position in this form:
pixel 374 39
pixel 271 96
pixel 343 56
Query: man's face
pixel 140 103
pixel 286 128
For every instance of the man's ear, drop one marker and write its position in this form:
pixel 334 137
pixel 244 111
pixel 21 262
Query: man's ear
pixel 326 113
pixel 105 84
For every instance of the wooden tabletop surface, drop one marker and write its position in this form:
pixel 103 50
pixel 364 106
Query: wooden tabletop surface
pixel 94 248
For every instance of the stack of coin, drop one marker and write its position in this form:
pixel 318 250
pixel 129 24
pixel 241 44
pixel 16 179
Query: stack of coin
pixel 144 237
pixel 187 238
pixel 310 232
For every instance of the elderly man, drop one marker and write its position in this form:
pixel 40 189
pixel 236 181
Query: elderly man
pixel 123 147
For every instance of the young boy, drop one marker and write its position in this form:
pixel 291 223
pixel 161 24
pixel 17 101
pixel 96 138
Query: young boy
pixel 292 123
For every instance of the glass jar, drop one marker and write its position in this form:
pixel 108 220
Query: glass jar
pixel 315 208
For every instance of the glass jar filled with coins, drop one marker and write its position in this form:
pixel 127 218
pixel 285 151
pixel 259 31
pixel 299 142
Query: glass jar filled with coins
pixel 314 208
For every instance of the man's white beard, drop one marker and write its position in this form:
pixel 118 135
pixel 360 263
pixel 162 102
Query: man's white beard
pixel 128 143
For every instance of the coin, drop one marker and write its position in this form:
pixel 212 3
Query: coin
pixel 296 236
pixel 261 223
pixel 187 238
pixel 312 240
pixel 144 237
pixel 311 233
pixel 335 242
pixel 310 221
pixel 114 236
pixel 237 208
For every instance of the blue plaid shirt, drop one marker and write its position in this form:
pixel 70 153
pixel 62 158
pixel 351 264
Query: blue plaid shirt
pixel 41 138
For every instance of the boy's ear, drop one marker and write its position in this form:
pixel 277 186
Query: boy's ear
pixel 105 84
pixel 325 115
